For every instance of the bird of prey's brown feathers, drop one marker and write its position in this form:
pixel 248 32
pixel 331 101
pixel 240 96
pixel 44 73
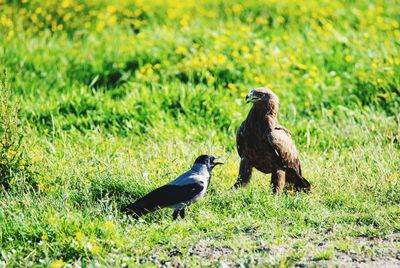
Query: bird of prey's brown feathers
pixel 267 146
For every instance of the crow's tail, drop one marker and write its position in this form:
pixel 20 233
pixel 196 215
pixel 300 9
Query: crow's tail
pixel 138 209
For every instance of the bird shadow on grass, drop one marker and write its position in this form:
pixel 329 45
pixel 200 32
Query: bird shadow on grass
pixel 119 191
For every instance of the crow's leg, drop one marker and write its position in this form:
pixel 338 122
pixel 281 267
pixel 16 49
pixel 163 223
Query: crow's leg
pixel 182 213
pixel 278 181
pixel 175 214
pixel 244 173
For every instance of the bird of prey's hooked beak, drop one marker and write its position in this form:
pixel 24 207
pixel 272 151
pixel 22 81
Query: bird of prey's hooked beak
pixel 251 97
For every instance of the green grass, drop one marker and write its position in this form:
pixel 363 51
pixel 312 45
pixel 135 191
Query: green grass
pixel 324 255
pixel 122 97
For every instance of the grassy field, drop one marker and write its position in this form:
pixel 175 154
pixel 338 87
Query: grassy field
pixel 110 99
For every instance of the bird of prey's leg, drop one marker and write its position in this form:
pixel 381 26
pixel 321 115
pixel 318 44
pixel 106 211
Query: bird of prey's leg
pixel 182 213
pixel 244 173
pixel 278 181
pixel 175 214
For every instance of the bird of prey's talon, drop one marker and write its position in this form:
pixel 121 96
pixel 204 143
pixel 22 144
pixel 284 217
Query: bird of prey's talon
pixel 179 193
pixel 267 146
pixel 237 185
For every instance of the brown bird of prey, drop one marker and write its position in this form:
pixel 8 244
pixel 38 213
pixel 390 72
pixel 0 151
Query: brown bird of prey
pixel 267 146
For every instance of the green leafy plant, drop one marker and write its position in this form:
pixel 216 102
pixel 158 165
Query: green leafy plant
pixel 13 160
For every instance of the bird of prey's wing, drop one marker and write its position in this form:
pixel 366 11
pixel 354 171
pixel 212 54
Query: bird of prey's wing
pixel 280 139
pixel 165 196
pixel 239 139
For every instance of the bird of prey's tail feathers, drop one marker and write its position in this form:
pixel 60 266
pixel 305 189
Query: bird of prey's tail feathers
pixel 302 184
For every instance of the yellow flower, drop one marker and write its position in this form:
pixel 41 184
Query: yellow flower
pixel 235 54
pixel 111 9
pixel 232 87
pixel 11 154
pixel 249 19
pixel 181 50
pixel 348 58
pixel 286 37
pixel 57 264
pixel 93 247
pixel 328 27
pixel 221 59
pixel 41 186
pixel 184 22
pixel 109 226
pixel 112 20
pixel 34 18
pixel 211 79
pixel 280 19
pixel 10 35
pixel 65 3
pixel 36 158
pixel 44 237
pixel 261 20
pixel 237 8
pixel 100 26
pixel 80 236
pixel 149 71
pixel 249 57
pixel 301 66
pixel 313 74
pixel 244 29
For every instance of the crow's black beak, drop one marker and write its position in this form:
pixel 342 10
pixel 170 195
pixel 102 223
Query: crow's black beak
pixel 217 163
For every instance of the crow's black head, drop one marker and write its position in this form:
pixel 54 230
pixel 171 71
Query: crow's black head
pixel 208 160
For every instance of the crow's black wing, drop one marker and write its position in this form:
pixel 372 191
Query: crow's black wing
pixel 164 196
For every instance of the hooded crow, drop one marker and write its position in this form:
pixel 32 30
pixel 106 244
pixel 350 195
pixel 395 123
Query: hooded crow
pixel 179 193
